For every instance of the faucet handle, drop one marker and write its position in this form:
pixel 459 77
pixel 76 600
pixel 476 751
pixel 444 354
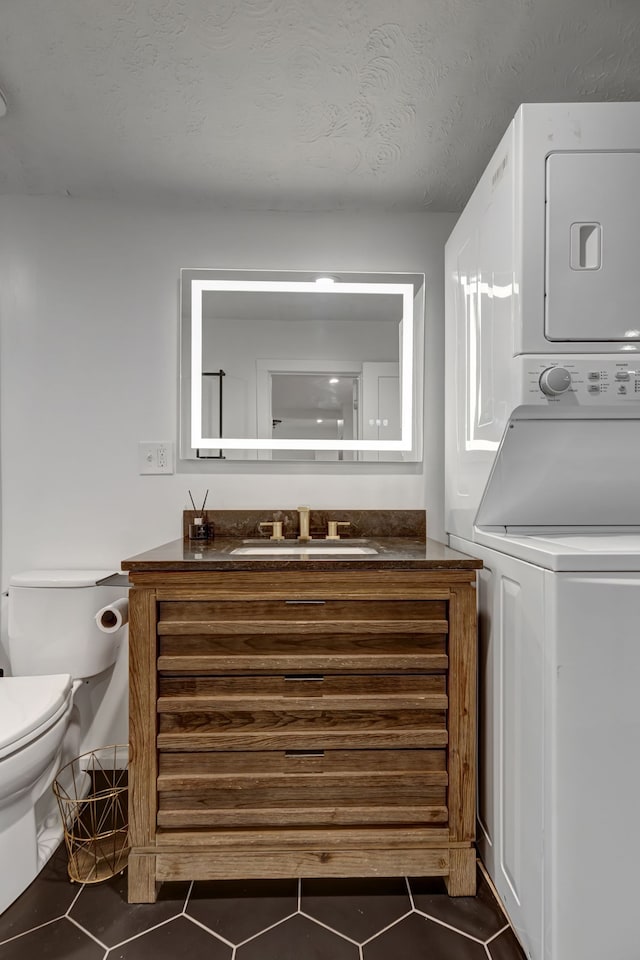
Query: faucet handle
pixel 332 531
pixel 276 528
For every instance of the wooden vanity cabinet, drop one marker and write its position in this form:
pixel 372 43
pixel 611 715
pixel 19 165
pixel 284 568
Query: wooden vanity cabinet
pixel 297 723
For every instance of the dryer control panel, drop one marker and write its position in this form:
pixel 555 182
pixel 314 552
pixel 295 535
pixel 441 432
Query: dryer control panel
pixel 596 380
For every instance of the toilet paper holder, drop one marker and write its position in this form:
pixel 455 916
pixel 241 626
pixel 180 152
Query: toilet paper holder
pixel 113 616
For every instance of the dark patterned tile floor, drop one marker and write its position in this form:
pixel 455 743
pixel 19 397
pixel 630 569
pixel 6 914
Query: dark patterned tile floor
pixel 354 919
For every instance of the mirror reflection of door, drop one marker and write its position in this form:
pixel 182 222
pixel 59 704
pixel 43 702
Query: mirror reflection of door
pixel 323 406
pixel 212 410
pixel 380 406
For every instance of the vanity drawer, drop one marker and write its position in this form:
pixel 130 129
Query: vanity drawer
pixel 309 635
pixel 253 713
pixel 267 649
pixel 183 615
pixel 310 788
pixel 299 691
pixel 302 729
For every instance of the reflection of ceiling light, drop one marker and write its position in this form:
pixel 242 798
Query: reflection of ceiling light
pixel 325 281
pixel 334 380
pixel 3 104
pixel 319 421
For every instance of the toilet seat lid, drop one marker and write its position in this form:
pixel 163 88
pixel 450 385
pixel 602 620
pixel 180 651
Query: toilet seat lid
pixel 26 703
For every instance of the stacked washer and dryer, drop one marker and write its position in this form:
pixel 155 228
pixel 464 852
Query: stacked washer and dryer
pixel 543 485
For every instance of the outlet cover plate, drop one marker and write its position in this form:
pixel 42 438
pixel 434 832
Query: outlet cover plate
pixel 155 456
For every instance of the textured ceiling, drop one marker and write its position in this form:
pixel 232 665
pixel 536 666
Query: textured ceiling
pixel 290 104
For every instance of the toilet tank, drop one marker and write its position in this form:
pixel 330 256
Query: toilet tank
pixel 52 623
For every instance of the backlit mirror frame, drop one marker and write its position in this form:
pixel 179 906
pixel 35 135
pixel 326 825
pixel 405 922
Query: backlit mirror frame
pixel 195 283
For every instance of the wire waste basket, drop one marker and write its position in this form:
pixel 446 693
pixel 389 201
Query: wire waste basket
pixel 92 795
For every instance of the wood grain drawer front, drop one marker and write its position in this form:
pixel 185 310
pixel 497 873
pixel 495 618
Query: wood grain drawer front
pixel 270 653
pixel 306 788
pixel 262 713
pixel 311 636
pixel 301 692
pixel 176 616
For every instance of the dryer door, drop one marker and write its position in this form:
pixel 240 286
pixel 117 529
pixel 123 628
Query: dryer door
pixel 593 227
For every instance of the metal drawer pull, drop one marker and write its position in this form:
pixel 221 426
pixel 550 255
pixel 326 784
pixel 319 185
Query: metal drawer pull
pixel 304 753
pixel 306 676
pixel 299 603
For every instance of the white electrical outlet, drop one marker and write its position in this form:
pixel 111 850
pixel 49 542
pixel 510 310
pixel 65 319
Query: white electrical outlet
pixel 155 456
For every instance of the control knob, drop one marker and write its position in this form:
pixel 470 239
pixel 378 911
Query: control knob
pixel 554 381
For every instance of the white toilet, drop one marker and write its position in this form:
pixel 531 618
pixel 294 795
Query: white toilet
pixel 55 645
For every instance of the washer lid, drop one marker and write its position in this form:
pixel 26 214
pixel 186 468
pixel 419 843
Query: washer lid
pixel 59 578
pixel 586 551
pixel 565 466
pixel 26 703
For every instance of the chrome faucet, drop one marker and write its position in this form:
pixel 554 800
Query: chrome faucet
pixel 303 513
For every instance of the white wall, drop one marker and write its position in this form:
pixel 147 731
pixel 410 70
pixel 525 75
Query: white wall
pixel 89 366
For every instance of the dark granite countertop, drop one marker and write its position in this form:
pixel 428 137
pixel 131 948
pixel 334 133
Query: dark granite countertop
pixel 391 553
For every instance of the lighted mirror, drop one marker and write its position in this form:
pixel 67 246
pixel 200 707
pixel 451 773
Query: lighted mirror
pixel 301 366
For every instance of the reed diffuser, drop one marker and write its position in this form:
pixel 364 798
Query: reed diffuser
pixel 200 529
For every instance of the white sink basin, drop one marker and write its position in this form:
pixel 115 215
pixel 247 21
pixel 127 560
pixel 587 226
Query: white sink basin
pixel 306 549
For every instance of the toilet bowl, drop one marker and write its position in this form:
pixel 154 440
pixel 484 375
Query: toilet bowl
pixel 54 646
pixel 34 716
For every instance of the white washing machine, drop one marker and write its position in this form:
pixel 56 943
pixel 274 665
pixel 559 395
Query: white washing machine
pixel 542 467
pixel 559 669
